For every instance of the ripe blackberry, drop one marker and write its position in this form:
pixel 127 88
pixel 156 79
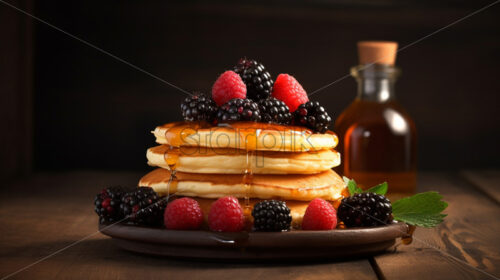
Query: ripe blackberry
pixel 198 107
pixel 256 78
pixel 273 110
pixel 238 109
pixel 107 204
pixel 313 116
pixel 143 206
pixel 365 210
pixel 271 215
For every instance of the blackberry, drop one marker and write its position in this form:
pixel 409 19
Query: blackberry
pixel 238 109
pixel 365 210
pixel 107 204
pixel 313 116
pixel 271 215
pixel 198 107
pixel 256 78
pixel 273 110
pixel 143 206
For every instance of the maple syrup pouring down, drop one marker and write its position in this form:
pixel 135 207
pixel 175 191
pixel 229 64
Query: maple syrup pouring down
pixel 248 133
pixel 249 139
pixel 175 134
pixel 247 181
pixel 171 158
pixel 407 239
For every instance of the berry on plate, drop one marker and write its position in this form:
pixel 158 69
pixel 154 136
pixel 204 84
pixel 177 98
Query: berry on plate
pixel 183 213
pixel 228 86
pixel 239 110
pixel 255 77
pixel 319 215
pixel 107 204
pixel 143 206
pixel 313 116
pixel 226 214
pixel 288 90
pixel 365 210
pixel 271 215
pixel 198 107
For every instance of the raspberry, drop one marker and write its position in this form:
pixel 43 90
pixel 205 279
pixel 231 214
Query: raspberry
pixel 288 90
pixel 228 86
pixel 226 215
pixel 320 215
pixel 183 213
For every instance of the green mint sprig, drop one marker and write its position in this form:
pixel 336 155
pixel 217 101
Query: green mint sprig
pixel 353 188
pixel 422 209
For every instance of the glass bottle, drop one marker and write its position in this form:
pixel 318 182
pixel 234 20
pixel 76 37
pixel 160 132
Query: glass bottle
pixel 377 136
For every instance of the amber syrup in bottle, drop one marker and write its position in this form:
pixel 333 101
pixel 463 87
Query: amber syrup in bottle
pixel 377 136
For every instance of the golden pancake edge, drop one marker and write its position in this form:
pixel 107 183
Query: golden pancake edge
pixel 236 161
pixel 303 187
pixel 245 136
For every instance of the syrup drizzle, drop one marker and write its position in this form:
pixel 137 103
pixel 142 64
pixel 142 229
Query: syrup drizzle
pixel 171 157
pixel 286 137
pixel 176 135
pixel 181 134
pixel 407 239
pixel 249 137
pixel 247 181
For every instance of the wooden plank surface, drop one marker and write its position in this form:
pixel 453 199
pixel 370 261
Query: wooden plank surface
pixel 51 211
pixel 469 234
pixel 487 181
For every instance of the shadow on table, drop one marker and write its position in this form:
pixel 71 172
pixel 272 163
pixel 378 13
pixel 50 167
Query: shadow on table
pixel 103 250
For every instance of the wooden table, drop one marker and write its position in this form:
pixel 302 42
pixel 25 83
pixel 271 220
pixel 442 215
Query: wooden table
pixel 44 218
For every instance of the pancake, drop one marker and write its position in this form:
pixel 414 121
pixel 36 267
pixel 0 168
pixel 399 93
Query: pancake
pixel 236 161
pixel 297 208
pixel 244 135
pixel 304 187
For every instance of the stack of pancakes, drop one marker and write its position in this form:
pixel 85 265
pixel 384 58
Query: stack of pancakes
pixel 251 161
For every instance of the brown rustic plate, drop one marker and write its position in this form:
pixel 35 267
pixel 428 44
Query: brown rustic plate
pixel 255 245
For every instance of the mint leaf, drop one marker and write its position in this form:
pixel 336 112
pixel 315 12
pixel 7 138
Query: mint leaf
pixel 352 186
pixel 379 189
pixel 423 209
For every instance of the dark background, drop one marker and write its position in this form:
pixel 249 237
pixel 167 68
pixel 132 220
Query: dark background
pixel 66 105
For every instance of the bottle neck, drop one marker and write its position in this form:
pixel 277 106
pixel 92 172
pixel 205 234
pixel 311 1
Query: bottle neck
pixel 375 82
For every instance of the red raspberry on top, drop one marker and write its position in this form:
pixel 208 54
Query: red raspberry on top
pixel 183 213
pixel 288 90
pixel 228 86
pixel 320 215
pixel 226 215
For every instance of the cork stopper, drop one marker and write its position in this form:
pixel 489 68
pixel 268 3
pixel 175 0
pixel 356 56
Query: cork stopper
pixel 377 52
